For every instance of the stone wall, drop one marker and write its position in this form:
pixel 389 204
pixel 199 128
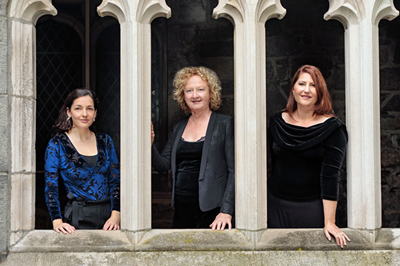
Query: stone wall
pixel 389 38
pixel 4 133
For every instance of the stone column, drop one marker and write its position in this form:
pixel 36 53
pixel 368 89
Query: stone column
pixel 360 19
pixel 249 18
pixel 135 17
pixel 22 99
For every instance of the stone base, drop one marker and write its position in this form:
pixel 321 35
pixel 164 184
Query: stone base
pixel 240 258
pixel 204 247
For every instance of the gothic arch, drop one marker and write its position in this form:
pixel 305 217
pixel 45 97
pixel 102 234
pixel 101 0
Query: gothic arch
pixel 147 10
pixel 23 16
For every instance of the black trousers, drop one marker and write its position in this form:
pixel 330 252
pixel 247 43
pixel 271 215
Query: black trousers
pixel 188 215
pixel 87 214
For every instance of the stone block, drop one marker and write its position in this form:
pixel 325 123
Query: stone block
pixel 5 212
pixel 3 7
pixel 4 130
pixel 390 79
pixel 3 54
pixel 22 135
pixel 22 202
pixel 22 59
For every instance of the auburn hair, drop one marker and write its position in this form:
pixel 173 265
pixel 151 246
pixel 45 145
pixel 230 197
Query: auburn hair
pixel 323 106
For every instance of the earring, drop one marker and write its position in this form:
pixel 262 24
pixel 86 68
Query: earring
pixel 94 119
pixel 68 118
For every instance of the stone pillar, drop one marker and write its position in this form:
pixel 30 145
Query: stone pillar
pixel 360 19
pixel 135 17
pixel 4 135
pixel 249 18
pixel 22 99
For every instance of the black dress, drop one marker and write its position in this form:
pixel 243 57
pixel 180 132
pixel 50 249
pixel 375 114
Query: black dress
pixel 306 163
pixel 187 208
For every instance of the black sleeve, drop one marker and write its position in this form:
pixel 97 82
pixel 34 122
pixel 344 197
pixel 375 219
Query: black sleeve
pixel 334 153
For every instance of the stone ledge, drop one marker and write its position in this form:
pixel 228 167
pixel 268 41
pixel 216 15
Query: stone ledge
pixel 203 240
pixel 208 258
pixel 79 241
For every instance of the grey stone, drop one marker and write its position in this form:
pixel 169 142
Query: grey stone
pixel 4 143
pixel 4 207
pixel 3 54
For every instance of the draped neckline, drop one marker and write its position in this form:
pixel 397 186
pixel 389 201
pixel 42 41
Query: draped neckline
pixel 299 138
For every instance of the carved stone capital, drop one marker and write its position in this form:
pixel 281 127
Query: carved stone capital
pixel 31 10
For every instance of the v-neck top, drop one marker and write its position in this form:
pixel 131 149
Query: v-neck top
pixel 306 161
pixel 83 178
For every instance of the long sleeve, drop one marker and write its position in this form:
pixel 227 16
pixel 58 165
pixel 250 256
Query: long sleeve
pixel 51 191
pixel 228 203
pixel 114 176
pixel 334 153
pixel 162 162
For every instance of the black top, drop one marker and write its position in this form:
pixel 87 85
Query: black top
pixel 306 161
pixel 188 159
pixel 91 159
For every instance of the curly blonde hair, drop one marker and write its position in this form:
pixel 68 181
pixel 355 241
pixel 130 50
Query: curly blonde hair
pixel 206 74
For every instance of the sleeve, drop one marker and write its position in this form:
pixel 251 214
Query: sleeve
pixel 51 172
pixel 162 162
pixel 114 176
pixel 334 153
pixel 228 202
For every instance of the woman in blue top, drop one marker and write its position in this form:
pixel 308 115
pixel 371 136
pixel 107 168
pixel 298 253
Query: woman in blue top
pixel 88 165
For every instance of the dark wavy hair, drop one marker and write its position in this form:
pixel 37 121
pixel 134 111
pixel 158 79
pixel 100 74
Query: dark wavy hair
pixel 323 106
pixel 64 124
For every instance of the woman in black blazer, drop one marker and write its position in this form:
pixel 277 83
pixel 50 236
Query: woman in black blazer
pixel 200 153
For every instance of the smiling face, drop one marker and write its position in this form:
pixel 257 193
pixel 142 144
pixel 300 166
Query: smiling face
pixel 304 91
pixel 82 112
pixel 197 94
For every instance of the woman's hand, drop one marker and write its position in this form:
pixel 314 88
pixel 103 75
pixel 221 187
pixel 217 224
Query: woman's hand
pixel 331 229
pixel 152 133
pixel 221 221
pixel 113 222
pixel 60 227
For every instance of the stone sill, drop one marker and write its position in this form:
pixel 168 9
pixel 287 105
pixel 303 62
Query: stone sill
pixel 202 240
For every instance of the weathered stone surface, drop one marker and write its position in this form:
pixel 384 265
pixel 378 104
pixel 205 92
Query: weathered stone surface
pixel 233 258
pixel 4 196
pixel 204 247
pixel 4 134
pixel 3 53
pixel 3 7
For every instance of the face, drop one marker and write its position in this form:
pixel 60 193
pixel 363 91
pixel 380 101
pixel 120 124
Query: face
pixel 197 94
pixel 82 112
pixel 304 91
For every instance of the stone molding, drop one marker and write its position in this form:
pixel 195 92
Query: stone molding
pixel 31 10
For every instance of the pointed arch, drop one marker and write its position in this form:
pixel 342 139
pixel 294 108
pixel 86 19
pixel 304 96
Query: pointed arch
pixel 147 10
pixel 267 9
pixel 233 10
pixel 346 11
pixel 31 11
pixel 384 9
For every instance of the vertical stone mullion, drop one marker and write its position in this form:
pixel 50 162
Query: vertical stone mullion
pixel 249 18
pixel 135 18
pixel 360 19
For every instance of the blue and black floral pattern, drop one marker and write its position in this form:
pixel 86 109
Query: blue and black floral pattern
pixel 83 180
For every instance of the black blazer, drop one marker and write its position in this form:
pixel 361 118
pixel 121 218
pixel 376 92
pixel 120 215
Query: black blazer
pixel 217 168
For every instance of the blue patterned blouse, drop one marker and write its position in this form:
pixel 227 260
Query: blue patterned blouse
pixel 83 180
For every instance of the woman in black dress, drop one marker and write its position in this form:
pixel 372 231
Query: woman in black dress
pixel 200 153
pixel 308 144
